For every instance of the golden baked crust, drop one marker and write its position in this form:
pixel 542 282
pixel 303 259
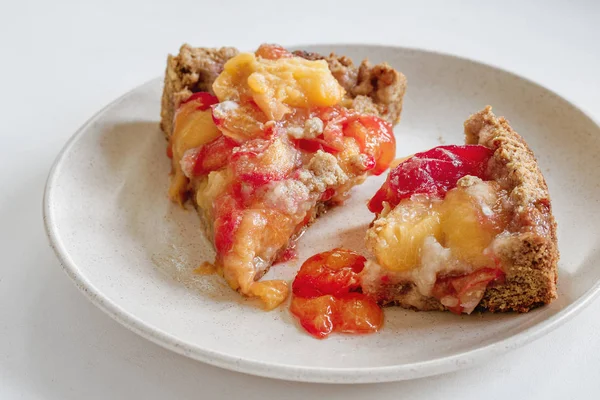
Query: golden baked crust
pixel 192 70
pixel 532 252
pixel 529 254
pixel 372 89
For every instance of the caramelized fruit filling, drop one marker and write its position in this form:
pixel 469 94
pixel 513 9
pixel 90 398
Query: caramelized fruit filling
pixel 466 222
pixel 444 219
pixel 263 152
pixel 327 297
pixel 278 82
pixel 431 173
pixel 193 127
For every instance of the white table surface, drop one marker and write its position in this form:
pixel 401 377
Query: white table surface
pixel 62 62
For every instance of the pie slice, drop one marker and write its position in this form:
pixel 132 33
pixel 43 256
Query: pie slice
pixel 465 227
pixel 263 143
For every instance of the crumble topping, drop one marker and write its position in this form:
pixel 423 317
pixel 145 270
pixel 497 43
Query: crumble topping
pixel 289 196
pixel 323 170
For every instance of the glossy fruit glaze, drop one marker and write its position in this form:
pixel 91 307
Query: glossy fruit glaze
pixel 431 173
pixel 327 295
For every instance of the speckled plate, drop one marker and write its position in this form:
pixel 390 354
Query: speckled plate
pixel 131 251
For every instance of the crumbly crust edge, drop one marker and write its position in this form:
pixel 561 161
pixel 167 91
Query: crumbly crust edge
pixel 531 250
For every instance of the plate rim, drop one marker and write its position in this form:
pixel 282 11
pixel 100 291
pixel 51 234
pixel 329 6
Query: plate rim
pixel 282 371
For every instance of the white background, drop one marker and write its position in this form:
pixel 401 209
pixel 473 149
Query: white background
pixel 61 62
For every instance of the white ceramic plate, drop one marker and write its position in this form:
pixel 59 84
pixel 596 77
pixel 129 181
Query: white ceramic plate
pixel 131 251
